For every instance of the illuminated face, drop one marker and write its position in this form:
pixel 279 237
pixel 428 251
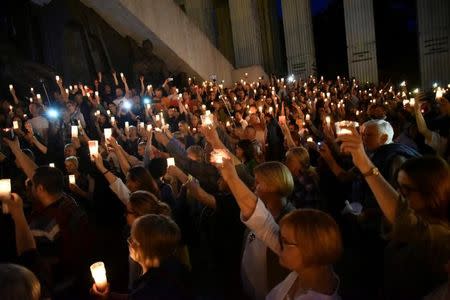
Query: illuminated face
pixel 372 138
pixel 71 167
pixel 408 190
pixel 119 93
pixel 290 256
pixel 70 151
pixel 141 150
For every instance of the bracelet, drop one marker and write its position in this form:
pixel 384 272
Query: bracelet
pixel 188 180
pixel 106 172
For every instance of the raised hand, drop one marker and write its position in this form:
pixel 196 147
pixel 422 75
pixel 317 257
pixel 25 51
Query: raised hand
pixel 353 144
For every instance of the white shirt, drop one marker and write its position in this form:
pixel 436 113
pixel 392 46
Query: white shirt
pixel 40 125
pixel 280 292
pixel 266 229
pixel 438 143
pixel 121 190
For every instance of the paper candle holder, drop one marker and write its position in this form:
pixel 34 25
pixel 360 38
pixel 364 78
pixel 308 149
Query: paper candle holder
pixel 98 272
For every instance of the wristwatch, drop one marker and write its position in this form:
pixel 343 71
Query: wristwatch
pixel 372 172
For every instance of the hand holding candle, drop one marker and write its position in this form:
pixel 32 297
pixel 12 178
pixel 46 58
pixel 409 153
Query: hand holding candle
pixel 170 161
pixel 93 149
pixel 5 193
pixel 74 131
pixel 98 272
pixel 72 179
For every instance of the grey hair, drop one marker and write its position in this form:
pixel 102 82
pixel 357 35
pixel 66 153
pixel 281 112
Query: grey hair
pixel 384 127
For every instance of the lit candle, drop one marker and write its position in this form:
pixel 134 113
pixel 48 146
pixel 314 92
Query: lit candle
pixel 108 112
pixel 32 90
pixel 416 91
pixel 186 106
pixel 149 127
pixel 11 87
pixel 93 148
pixel 141 124
pixel 158 118
pixel 67 91
pixel 51 165
pixel 310 140
pixel 127 126
pixel 208 112
pixel 15 125
pixel 98 272
pixel 108 133
pixel 96 93
pixel 218 158
pixel 170 161
pixel 406 101
pixel 121 74
pixel 439 93
pixel 203 107
pixel 5 192
pixel 70 87
pixel 38 96
pixel 72 179
pixel 270 109
pixel 308 117
pixel 57 78
pixel 412 101
pixel 228 124
pixel 113 120
pixel 357 113
pixel 328 120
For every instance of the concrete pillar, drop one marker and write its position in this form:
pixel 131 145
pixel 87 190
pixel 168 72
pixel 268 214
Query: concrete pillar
pixel 361 45
pixel 246 33
pixel 433 17
pixel 202 13
pixel 298 34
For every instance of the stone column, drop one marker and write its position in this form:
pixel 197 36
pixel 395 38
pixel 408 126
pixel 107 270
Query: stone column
pixel 246 33
pixel 433 17
pixel 361 45
pixel 299 39
pixel 202 13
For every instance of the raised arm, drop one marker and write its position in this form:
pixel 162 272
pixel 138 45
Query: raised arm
pixel 386 196
pixel 26 163
pixel 421 124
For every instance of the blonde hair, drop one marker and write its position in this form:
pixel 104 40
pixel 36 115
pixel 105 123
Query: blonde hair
pixel 158 236
pixel 17 282
pixel 277 175
pixel 302 155
pixel 316 234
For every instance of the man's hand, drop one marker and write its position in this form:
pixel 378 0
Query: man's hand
pixel 14 145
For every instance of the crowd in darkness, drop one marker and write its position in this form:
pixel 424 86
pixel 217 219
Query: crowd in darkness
pixel 281 188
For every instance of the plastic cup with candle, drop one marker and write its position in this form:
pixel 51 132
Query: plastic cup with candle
pixel 5 192
pixel 328 120
pixel 98 272
pixel 108 133
pixel 93 148
pixel 72 179
pixel 51 165
pixel 308 117
pixel 342 127
pixel 141 124
pixel 113 120
pixel 170 161
pixel 149 127
pixel 15 125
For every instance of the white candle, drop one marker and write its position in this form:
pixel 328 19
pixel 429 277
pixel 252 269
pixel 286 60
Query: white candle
pixel 186 106
pixel 157 118
pixel 228 124
pixel 357 113
pixel 127 126
pixel 96 93
pixel 38 96
pixel 439 93
pixel 310 140
pixel 72 179
pixel 108 112
pixel 149 127
pixel 121 74
pixel 328 120
pixel 406 101
pixel 93 148
pixel 260 109
pixel 98 272
pixel 170 161
pixel 141 124
pixel 11 86
pixel 308 117
pixel 207 113
pixel 70 87
pixel 107 132
pixel 51 165
pixel 113 120
pixel 219 159
pixel 270 109
pixel 163 122
pixel 203 107
pixel 412 101
pixel 15 125
pixel 5 192
pixel 67 91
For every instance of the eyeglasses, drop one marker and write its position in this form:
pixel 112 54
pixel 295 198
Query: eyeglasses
pixel 131 242
pixel 286 243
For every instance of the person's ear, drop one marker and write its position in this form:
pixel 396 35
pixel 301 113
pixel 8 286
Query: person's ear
pixel 383 139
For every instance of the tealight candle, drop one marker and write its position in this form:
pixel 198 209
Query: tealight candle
pixel 5 192
pixel 11 87
pixel 170 161
pixel 98 272
pixel 57 78
pixel 15 125
pixel 72 179
pixel 51 165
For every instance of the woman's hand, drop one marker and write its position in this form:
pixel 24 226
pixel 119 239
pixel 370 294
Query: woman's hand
pixel 103 295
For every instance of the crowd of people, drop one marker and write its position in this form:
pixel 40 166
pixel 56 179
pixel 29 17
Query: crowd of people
pixel 275 189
